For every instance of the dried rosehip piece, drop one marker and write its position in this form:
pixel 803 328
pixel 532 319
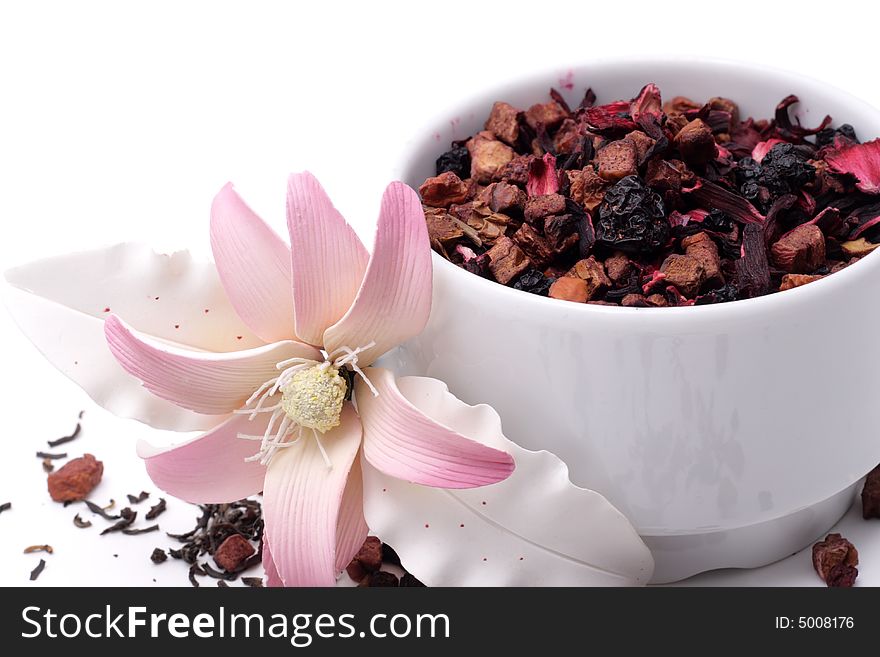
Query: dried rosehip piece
pixel 632 218
pixel 831 554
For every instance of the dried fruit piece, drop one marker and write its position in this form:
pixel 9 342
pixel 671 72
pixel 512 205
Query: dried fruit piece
pixel 548 115
pixel 587 188
pixel 632 218
pixel 702 248
pixel 617 160
pixel 370 554
pixel 444 190
pixel 696 143
pixel 536 246
pixel 800 251
pixel 503 197
pixel 569 288
pixel 488 156
pixel 858 248
pixel 618 267
pixel 642 142
pixel 831 552
pixel 158 556
pixel 568 138
pixel 233 552
pixel 503 122
pixel 871 495
pixel 538 207
pixel 76 479
pixel 790 281
pixel 842 576
pixel 686 273
pixel 592 272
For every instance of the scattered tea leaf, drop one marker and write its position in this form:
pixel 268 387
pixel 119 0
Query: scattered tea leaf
pixel 195 570
pixel 157 510
pixel 222 584
pixel 142 530
pixel 39 569
pixel 49 455
pixel 216 574
pixel 158 556
pixel 39 548
pixel 5 506
pixel 253 582
pixel 79 522
pixel 94 508
pixel 48 466
pixel 137 499
pixel 67 439
pixel 128 516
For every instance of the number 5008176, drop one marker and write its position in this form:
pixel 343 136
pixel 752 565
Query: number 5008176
pixel 825 622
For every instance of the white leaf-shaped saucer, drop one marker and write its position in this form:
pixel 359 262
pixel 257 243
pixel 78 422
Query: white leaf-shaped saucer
pixel 534 529
pixel 60 304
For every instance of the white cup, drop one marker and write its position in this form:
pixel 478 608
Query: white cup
pixel 731 435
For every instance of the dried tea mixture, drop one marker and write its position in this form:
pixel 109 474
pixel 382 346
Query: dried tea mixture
pixel 642 203
pixel 230 533
pixel 366 567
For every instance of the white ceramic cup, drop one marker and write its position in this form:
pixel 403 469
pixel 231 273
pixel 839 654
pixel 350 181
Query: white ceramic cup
pixel 731 435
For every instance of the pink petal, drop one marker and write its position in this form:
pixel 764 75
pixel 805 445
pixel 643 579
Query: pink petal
pixel 273 579
pixel 403 442
pixel 210 469
pixel 328 259
pixel 203 382
pixel 254 266
pixel 303 503
pixel 859 160
pixel 394 301
pixel 351 527
pixel 759 152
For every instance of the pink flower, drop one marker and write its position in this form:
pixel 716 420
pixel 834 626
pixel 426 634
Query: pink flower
pixel 325 310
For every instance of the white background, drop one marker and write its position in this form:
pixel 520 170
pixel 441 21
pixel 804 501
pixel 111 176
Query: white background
pixel 120 120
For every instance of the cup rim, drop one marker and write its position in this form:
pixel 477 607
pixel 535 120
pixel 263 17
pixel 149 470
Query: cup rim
pixel 778 300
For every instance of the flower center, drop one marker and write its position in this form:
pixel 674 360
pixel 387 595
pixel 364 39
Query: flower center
pixel 312 398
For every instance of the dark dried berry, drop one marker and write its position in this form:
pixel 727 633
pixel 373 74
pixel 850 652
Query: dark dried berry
pixel 825 137
pixel 632 218
pixel 158 556
pixel 721 295
pixel 534 281
pixel 456 160
pixel 785 169
pixel 748 178
pixel 718 221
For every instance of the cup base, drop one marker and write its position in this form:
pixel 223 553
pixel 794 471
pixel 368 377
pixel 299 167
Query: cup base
pixel 677 557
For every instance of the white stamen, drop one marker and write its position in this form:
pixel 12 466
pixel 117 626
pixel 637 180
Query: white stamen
pixel 351 359
pixel 323 451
